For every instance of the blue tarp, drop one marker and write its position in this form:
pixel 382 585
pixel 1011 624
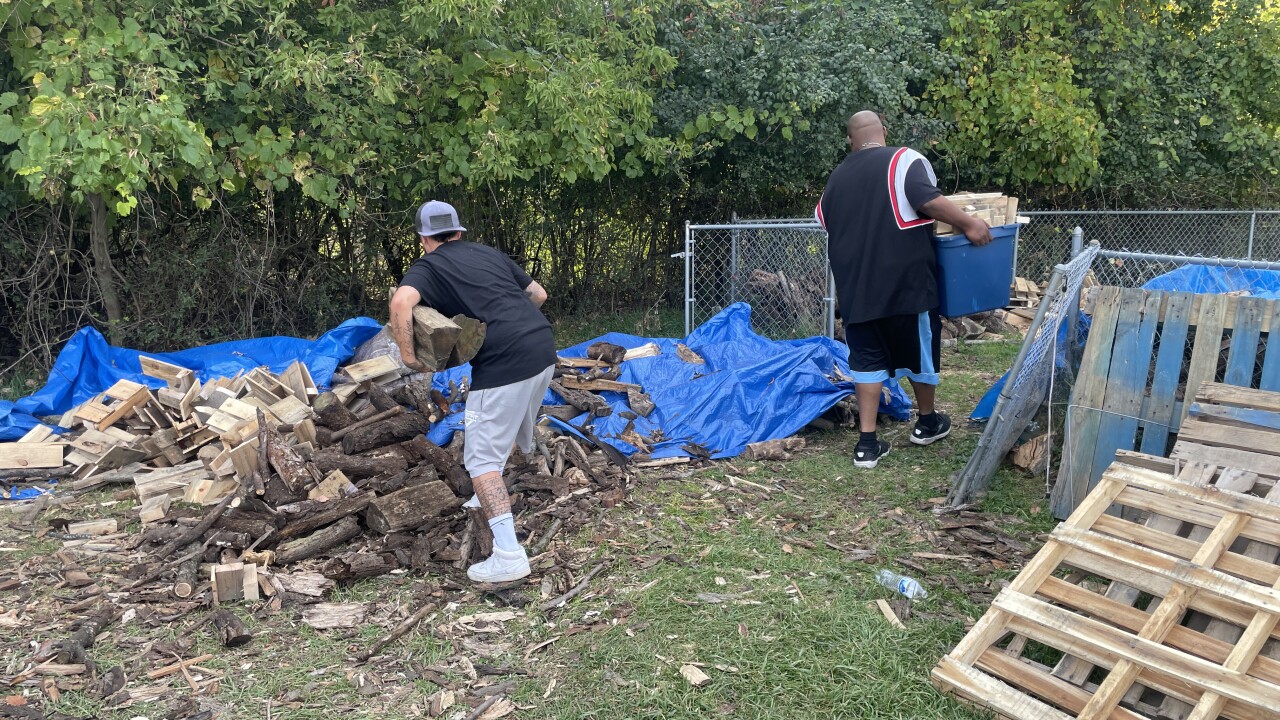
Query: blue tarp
pixel 1201 279
pixel 1218 280
pixel 87 366
pixel 750 389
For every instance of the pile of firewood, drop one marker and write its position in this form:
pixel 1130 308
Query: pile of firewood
pixel 241 479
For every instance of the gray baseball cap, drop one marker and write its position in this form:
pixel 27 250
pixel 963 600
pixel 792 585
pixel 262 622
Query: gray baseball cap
pixel 437 217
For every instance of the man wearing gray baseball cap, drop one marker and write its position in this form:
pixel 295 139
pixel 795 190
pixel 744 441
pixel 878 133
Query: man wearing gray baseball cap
pixel 509 375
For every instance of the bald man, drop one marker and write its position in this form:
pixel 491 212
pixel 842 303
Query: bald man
pixel 878 209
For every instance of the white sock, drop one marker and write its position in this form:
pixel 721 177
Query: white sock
pixel 504 533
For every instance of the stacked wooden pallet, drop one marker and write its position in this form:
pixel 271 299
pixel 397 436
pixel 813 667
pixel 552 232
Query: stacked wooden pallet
pixel 1159 597
pixel 1147 352
pixel 996 208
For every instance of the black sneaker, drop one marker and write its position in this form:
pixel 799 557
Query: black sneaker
pixel 868 457
pixel 926 436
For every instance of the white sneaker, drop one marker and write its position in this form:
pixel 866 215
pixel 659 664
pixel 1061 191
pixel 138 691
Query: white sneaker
pixel 474 502
pixel 501 566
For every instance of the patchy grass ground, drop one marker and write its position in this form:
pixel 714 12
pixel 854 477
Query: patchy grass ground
pixel 761 574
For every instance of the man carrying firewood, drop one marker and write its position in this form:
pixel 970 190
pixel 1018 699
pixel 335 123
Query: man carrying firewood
pixel 878 209
pixel 509 375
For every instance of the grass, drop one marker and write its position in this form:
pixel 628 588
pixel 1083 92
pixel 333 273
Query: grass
pixel 646 322
pixel 795 633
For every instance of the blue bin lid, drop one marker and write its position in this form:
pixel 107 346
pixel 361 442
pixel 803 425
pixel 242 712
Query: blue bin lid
pixel 997 233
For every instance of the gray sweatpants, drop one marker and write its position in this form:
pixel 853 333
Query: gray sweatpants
pixel 496 418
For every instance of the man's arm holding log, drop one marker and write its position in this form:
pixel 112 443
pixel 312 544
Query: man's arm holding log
pixel 402 304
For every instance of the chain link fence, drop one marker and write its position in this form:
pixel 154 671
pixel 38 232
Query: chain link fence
pixel 1138 245
pixel 779 268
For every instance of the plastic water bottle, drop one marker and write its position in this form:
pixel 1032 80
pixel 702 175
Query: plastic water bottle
pixel 903 584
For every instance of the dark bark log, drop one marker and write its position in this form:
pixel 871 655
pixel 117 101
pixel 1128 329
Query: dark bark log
pixel 606 352
pixel 392 430
pixel 358 566
pixel 372 419
pixel 74 649
pixel 453 474
pixel 331 412
pixel 481 535
pixel 323 514
pixel 411 507
pixel 276 492
pixel 197 530
pixel 231 630
pixel 228 539
pixel 384 461
pixel 379 398
pixel 583 401
pixel 415 394
pixel 318 542
pixel 251 523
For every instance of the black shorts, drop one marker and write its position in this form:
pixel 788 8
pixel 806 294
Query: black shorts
pixel 896 346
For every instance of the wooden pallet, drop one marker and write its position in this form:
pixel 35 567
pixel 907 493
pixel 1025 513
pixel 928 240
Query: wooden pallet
pixel 1144 349
pixel 1100 623
pixel 1233 426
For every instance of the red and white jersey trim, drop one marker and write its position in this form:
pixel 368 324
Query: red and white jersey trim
pixel 905 215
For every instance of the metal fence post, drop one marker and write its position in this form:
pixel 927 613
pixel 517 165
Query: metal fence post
pixel 831 302
pixel 733 262
pixel 1073 315
pixel 1253 222
pixel 688 279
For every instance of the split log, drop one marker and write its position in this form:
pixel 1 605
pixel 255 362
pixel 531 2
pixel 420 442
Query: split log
pixel 453 474
pixel 481 535
pixel 584 401
pixel 296 472
pixel 779 449
pixel 385 461
pixel 326 616
pixel 411 507
pixel 358 566
pixel 231 630
pixel 318 542
pixel 331 412
pixel 325 513
pixel 184 585
pixel 434 336
pixel 640 402
pixel 392 430
pixel 470 340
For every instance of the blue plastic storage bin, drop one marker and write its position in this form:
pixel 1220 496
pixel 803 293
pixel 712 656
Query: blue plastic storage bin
pixel 973 279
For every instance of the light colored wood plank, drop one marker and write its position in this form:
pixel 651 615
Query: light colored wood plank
pixel 176 376
pixel 371 368
pixel 1265 573
pixel 1036 681
pixel 30 456
pixel 1260 463
pixel 1088 394
pixel 1245 334
pixel 1223 394
pixel 1199 431
pixel 1207 345
pixel 38 434
pixel 990 692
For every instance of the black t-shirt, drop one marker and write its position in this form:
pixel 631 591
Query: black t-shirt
pixel 481 282
pixel 879 244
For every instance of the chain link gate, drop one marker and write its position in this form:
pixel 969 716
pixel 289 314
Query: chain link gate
pixel 778 267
